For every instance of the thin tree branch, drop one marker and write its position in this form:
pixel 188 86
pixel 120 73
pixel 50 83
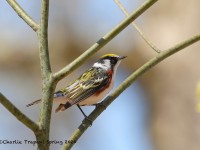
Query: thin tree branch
pixel 44 60
pixel 22 14
pixel 18 114
pixel 137 28
pixel 48 83
pixel 103 41
pixel 125 84
pixel 43 41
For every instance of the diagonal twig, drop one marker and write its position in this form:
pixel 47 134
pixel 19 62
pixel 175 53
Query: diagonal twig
pixel 124 85
pixel 137 28
pixel 22 14
pixel 18 114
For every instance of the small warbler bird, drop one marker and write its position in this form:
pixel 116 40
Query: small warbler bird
pixel 91 87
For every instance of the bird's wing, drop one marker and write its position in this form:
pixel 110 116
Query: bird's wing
pixel 86 85
pixel 90 82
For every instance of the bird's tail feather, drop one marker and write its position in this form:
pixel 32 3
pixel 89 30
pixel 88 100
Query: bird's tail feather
pixel 56 95
pixel 33 103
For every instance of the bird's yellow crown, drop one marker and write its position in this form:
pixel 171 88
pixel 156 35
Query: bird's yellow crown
pixel 109 55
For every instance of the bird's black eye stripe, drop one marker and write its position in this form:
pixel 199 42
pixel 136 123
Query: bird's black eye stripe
pixel 113 61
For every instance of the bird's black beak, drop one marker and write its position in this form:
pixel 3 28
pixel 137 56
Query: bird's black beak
pixel 121 57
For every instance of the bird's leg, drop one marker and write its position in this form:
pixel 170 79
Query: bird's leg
pixel 86 117
pixel 82 111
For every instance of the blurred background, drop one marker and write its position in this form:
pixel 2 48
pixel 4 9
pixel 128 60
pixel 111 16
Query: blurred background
pixel 157 112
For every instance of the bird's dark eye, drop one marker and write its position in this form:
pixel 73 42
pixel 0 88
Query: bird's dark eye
pixel 113 61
